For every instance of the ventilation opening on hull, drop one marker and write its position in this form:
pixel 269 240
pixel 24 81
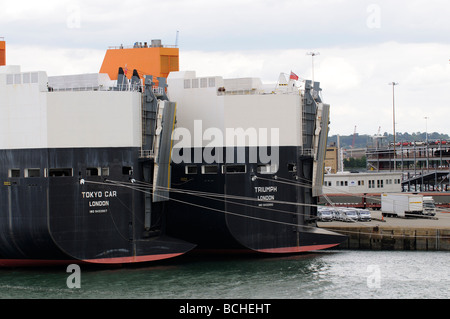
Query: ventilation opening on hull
pixel 191 170
pixel 32 172
pixel 92 171
pixel 267 169
pixel 234 169
pixel 209 169
pixel 14 172
pixel 105 171
pixel 127 170
pixel 292 168
pixel 60 172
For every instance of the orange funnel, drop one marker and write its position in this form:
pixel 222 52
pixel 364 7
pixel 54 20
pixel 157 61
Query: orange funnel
pixel 2 52
pixel 153 59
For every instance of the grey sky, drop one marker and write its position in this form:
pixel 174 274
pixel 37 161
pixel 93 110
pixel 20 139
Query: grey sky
pixel 363 46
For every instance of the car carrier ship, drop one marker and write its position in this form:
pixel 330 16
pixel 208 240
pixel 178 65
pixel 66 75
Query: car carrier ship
pixel 67 146
pixel 247 164
pixel 101 168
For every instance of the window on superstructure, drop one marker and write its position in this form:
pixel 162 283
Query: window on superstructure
pixel 26 78
pixel 211 82
pixel 187 84
pixel 195 83
pixel 14 172
pixel 203 82
pixel 18 78
pixel 34 77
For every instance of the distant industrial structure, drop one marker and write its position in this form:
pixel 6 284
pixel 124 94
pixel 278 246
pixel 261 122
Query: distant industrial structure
pixel 424 166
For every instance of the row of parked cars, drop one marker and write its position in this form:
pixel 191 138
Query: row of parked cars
pixel 344 214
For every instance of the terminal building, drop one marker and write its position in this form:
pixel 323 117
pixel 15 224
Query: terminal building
pixel 405 167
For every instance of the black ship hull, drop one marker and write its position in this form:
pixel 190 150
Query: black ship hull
pixel 55 208
pixel 62 206
pixel 238 208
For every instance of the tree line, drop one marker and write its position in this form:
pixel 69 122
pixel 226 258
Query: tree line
pixel 353 163
pixel 363 141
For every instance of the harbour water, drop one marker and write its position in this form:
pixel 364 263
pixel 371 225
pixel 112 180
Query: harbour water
pixel 331 274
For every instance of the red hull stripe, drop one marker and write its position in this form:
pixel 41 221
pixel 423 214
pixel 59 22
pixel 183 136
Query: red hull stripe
pixel 282 250
pixel 119 260
pixel 131 259
pixel 296 249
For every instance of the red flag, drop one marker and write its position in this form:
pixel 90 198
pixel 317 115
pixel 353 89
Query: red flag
pixel 293 76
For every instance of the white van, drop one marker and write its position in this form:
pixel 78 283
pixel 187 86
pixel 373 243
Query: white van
pixel 364 215
pixel 325 215
pixel 350 215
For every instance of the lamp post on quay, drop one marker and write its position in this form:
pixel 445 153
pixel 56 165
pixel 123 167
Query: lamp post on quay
pixel 393 118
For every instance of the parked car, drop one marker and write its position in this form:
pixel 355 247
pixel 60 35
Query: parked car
pixel 364 215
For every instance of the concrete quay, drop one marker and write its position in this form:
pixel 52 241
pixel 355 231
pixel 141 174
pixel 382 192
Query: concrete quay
pixel 390 233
